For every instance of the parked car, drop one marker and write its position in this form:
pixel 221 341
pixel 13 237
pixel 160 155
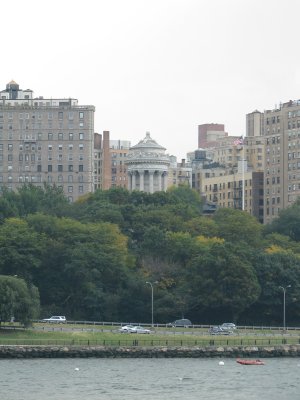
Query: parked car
pixel 59 319
pixel 230 326
pixel 217 330
pixel 181 323
pixel 125 328
pixel 139 329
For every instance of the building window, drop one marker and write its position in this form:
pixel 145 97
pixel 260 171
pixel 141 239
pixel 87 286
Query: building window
pixel 70 136
pixel 50 136
pixel 60 168
pixel 39 168
pixel 60 178
pixel 70 168
pixel 60 115
pixel 80 136
pixel 70 189
pixel 81 114
pixel 50 168
pixel 70 178
pixel 80 167
pixel 60 147
pixel 60 136
pixel 80 189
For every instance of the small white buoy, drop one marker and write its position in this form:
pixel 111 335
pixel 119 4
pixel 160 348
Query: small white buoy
pixel 76 369
pixel 221 362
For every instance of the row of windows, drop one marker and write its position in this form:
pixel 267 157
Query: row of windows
pixel 273 140
pixel 273 120
pixel 293 166
pixel 38 115
pixel 31 157
pixel 274 211
pixel 49 168
pixel 274 180
pixel 33 147
pixel 48 136
pixel 33 126
pixel 39 178
pixel 273 200
pixel 232 185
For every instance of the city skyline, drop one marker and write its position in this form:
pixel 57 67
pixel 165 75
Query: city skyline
pixel 162 66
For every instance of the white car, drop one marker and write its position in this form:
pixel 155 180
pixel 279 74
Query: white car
pixel 126 328
pixel 59 319
pixel 139 329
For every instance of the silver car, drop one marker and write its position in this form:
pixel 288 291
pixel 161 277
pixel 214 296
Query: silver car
pixel 139 329
pixel 58 319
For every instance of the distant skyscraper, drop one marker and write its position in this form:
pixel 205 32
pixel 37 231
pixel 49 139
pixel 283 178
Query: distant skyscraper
pixel 209 133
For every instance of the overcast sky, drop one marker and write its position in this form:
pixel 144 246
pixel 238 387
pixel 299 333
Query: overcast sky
pixel 163 66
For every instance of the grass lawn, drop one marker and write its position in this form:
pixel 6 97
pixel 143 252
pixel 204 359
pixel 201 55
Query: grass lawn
pixel 96 336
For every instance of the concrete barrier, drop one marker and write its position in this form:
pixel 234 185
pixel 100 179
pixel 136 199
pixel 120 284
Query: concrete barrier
pixel 148 352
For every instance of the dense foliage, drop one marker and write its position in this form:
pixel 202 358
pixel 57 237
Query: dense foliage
pixel 91 260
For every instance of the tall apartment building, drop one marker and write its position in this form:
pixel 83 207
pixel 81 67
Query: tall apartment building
pixel 46 141
pixel 102 161
pixel 118 153
pixel 179 173
pixel 280 129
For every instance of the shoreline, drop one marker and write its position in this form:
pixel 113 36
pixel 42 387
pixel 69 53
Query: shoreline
pixel 29 351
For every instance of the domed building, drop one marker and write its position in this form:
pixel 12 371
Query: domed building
pixel 147 166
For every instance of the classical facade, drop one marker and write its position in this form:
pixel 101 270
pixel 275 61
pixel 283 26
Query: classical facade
pixel 46 141
pixel 147 166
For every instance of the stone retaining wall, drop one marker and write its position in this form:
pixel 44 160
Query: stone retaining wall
pixel 148 352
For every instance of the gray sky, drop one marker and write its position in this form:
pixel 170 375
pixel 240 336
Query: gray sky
pixel 163 66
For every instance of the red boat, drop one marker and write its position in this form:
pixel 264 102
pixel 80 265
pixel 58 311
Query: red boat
pixel 250 362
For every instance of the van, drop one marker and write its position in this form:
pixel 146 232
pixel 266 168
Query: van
pixel 183 323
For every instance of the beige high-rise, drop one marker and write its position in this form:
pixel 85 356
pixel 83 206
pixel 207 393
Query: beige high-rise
pixel 45 141
pixel 280 129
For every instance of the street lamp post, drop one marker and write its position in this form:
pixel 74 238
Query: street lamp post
pixel 151 285
pixel 284 292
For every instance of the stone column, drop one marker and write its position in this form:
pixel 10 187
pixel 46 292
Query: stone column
pixel 165 180
pixel 151 181
pixel 141 173
pixel 133 187
pixel 129 187
pixel 159 176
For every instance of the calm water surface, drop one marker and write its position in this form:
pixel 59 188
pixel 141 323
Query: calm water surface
pixel 114 379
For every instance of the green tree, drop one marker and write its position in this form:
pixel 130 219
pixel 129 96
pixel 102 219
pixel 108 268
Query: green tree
pixel 288 222
pixel 238 226
pixel 18 299
pixel 20 248
pixel 221 280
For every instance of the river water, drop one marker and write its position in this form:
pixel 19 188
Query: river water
pixel 114 379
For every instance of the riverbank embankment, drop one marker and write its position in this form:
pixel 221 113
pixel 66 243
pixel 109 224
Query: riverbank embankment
pixel 21 352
